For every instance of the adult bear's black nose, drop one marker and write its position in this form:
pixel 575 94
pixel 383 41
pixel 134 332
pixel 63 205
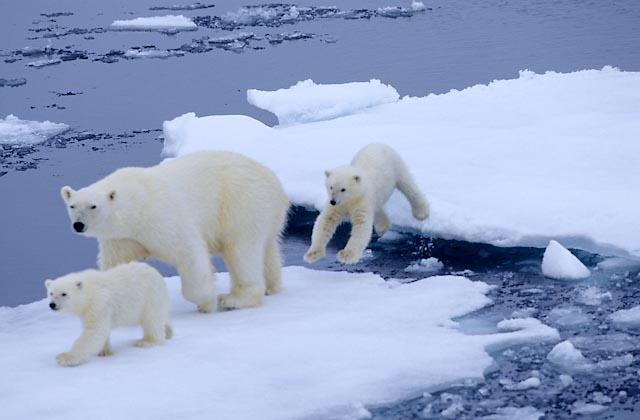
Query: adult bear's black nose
pixel 78 227
pixel 52 305
pixel 333 202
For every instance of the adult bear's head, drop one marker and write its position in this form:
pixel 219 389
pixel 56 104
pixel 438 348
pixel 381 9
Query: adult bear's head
pixel 107 209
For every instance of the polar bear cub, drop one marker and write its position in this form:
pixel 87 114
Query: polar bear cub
pixel 359 192
pixel 183 211
pixel 127 295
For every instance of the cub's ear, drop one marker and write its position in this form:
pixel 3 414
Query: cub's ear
pixel 112 195
pixel 47 283
pixel 356 178
pixel 65 192
pixel 79 285
pixel 327 173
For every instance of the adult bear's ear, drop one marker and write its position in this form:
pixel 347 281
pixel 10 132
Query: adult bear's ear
pixel 65 192
pixel 356 178
pixel 327 173
pixel 47 283
pixel 112 195
pixel 79 285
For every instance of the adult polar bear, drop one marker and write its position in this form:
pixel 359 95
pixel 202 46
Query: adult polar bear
pixel 185 210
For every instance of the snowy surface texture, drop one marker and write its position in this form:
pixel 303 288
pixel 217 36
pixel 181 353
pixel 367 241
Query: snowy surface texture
pixel 515 162
pixel 307 101
pixel 13 130
pixel 560 264
pixel 178 22
pixel 327 344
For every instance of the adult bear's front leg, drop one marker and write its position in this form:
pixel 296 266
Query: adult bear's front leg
pixel 196 274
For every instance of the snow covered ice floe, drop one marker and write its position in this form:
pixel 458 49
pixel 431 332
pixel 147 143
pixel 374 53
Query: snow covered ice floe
pixel 307 101
pixel 513 413
pixel 513 163
pixel 13 130
pixel 560 264
pixel 155 23
pixel 328 341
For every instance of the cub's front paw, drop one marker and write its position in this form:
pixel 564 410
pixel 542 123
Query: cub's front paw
pixel 70 359
pixel 207 308
pixel 348 256
pixel 313 255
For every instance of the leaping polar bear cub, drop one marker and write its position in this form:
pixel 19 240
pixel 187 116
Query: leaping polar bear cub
pixel 359 192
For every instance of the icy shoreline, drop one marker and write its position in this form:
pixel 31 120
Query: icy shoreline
pixel 513 163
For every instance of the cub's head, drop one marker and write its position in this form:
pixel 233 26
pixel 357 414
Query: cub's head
pixel 89 208
pixel 66 294
pixel 344 185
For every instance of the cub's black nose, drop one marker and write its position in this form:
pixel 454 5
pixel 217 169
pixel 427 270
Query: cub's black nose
pixel 52 305
pixel 78 227
pixel 333 202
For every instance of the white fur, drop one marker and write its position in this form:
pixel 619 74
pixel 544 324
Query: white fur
pixel 127 295
pixel 360 191
pixel 184 210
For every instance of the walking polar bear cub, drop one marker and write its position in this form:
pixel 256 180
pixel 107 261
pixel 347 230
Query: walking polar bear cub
pixel 127 295
pixel 359 191
pixel 183 211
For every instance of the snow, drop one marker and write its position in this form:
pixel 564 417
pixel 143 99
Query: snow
pixel 307 101
pixel 155 23
pixel 568 358
pixel 626 317
pixel 560 264
pixel 425 265
pixel 13 130
pixel 514 163
pixel 328 345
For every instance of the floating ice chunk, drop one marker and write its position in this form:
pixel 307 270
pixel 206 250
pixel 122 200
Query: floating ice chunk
pixel 565 380
pixel 568 358
pixel 13 130
pixel 558 263
pixel 629 318
pixel 600 398
pixel 307 101
pixel 152 53
pixel 608 343
pixel 425 265
pixel 417 6
pixel 529 383
pixel 455 407
pixel 593 296
pixel 616 362
pixel 568 317
pixel 44 62
pixel 13 82
pixel 252 16
pixel 155 23
pixel 519 331
pixel 394 12
pixel 512 413
pixel 584 408
pixel 192 6
pixel 617 262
